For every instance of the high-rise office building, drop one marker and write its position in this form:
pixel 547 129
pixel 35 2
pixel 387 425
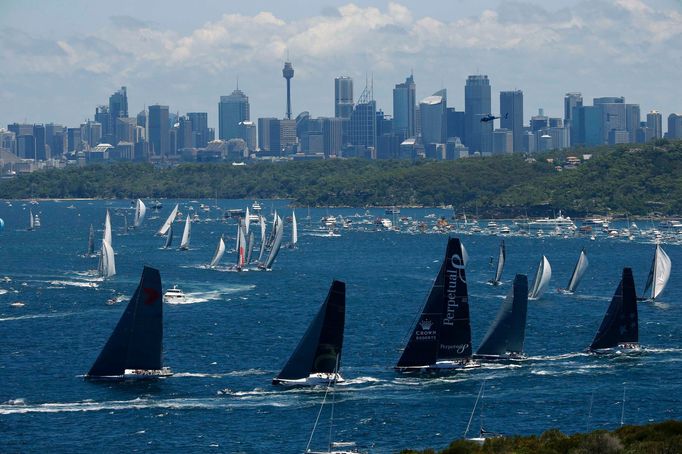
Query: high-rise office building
pixel 118 107
pixel 159 131
pixel 613 118
pixel 363 125
pixel 232 110
pixel 199 122
pixel 511 116
pixel 674 126
pixel 571 101
pixel 103 117
pixel 654 121
pixel 477 134
pixel 632 120
pixel 343 97
pixel 503 141
pixel 55 137
pixel 455 124
pixel 404 106
pixel 332 135
pixel 42 150
pixel 433 117
pixel 264 133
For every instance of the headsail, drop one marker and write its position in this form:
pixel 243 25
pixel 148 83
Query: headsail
pixel 249 249
pixel 91 241
pixel 500 264
pixel 507 333
pixel 659 274
pixel 184 243
pixel 136 342
pixel 140 212
pixel 578 271
pixel 219 251
pixel 263 239
pixel 276 245
pixel 169 237
pixel 107 261
pixel 542 277
pixel 443 331
pixel 107 229
pixel 320 348
pixel 241 248
pixel 294 229
pixel 166 225
pixel 31 220
pixel 620 324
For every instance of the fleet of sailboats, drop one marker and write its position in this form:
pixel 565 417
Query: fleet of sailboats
pixel 542 277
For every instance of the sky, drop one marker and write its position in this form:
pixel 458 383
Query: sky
pixel 58 60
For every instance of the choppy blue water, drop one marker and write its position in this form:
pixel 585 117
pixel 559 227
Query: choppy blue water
pixel 239 328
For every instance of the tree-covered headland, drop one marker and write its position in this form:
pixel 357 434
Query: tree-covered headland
pixel 632 179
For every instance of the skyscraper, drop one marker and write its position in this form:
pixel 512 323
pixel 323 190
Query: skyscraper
pixel 674 126
pixel 571 101
pixel 343 97
pixel 632 120
pixel 433 117
pixel 118 108
pixel 654 120
pixel 232 110
pixel 404 104
pixel 159 130
pixel 363 125
pixel 199 128
pixel 511 116
pixel 288 74
pixel 477 134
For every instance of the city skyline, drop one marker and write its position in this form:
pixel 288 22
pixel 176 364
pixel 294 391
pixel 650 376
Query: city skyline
pixel 385 42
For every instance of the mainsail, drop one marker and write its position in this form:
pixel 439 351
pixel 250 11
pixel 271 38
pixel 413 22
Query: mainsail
pixel 263 240
pixel 107 229
pixel 31 220
pixel 241 248
pixel 319 350
pixel 140 212
pixel 542 277
pixel 443 330
pixel 578 271
pixel 507 333
pixel 620 324
pixel 91 241
pixel 219 251
pixel 249 249
pixel 184 243
pixel 169 237
pixel 276 245
pixel 107 262
pixel 500 264
pixel 294 230
pixel 136 342
pixel 166 225
pixel 658 274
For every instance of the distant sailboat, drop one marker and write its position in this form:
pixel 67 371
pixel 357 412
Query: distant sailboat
pixel 219 251
pixel 578 272
pixel 169 237
pixel 542 277
pixel 276 244
pixel 317 357
pixel 166 225
pixel 107 261
pixel 241 249
pixel 263 239
pixel 107 229
pixel 506 335
pixel 184 243
pixel 441 338
pixel 294 231
pixel 140 213
pixel 659 274
pixel 134 350
pixel 502 256
pixel 31 220
pixel 249 249
pixel 91 241
pixel 619 329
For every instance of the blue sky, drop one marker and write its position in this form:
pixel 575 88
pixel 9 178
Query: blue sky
pixel 60 59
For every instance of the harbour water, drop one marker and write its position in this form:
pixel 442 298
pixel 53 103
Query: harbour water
pixel 236 330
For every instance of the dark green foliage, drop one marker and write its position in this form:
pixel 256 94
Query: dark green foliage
pixel 619 179
pixel 660 438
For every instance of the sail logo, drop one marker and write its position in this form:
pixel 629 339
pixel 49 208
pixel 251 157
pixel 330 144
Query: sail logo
pixel 426 324
pixel 455 273
pixel 459 348
pixel 425 331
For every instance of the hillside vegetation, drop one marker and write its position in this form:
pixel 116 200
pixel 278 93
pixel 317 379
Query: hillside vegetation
pixel 660 438
pixel 637 180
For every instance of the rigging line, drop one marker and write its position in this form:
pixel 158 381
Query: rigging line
pixel 471 417
pixel 319 412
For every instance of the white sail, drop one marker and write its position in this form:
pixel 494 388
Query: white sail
pixel 241 249
pixel 31 220
pixel 107 229
pixel 184 244
pixel 220 250
pixel 578 272
pixel 263 239
pixel 107 260
pixel 659 274
pixel 166 225
pixel 294 230
pixel 247 221
pixel 140 212
pixel 276 245
pixel 542 277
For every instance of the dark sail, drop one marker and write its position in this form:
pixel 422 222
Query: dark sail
pixel 136 342
pixel 321 344
pixel 507 333
pixel 422 348
pixel 454 336
pixel 620 324
pixel 169 237
pixel 500 263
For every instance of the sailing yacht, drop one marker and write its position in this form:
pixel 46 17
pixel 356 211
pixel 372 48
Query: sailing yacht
pixel 294 231
pixel 497 280
pixel 219 251
pixel 577 275
pixel 169 237
pixel 140 213
pixel 167 224
pixel 542 277
pixel 317 357
pixel 619 329
pixel 31 220
pixel 107 260
pixel 276 239
pixel 441 338
pixel 134 350
pixel 482 433
pixel 184 243
pixel 505 337
pixel 91 241
pixel 658 277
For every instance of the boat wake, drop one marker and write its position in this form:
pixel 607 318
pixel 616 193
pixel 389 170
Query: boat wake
pixel 89 406
pixel 214 295
pixel 2 291
pixel 28 317
pixel 62 284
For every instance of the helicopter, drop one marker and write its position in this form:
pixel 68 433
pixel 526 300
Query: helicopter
pixel 491 117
